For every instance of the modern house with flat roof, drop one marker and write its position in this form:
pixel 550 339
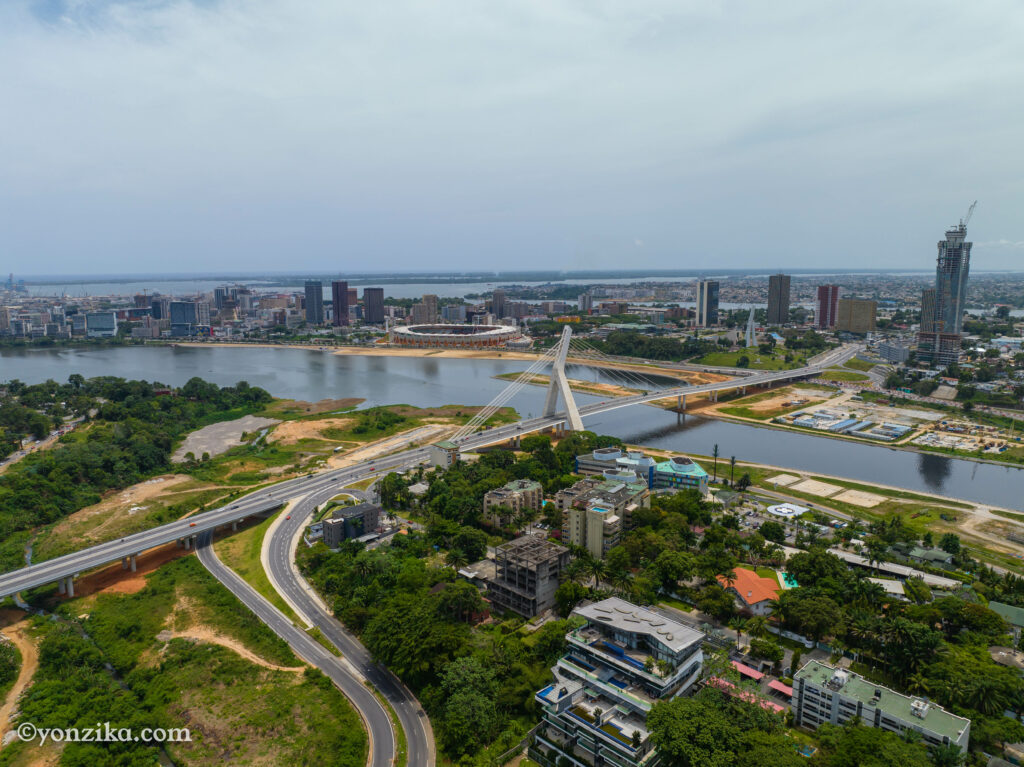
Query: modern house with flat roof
pixel 823 693
pixel 443 453
pixel 681 473
pixel 617 667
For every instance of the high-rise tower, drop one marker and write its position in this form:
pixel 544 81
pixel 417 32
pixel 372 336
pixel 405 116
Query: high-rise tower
pixel 778 299
pixel 339 297
pixel 942 309
pixel 314 302
pixel 825 312
pixel 707 303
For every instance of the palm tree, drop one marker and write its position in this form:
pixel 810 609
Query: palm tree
pixel 714 454
pixel 732 470
pixel 598 569
pixel 946 755
pixel 455 558
pixel 737 624
pixel 577 570
pixel 757 626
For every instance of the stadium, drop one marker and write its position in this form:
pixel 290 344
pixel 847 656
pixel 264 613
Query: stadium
pixel 456 336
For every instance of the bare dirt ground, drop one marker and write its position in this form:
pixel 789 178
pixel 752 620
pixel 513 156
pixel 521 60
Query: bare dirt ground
pixel 206 634
pixel 15 625
pixel 314 408
pixel 431 432
pixel 814 487
pixel 860 498
pixel 218 438
pixel 992 530
pixel 93 522
pixel 290 432
pixel 112 579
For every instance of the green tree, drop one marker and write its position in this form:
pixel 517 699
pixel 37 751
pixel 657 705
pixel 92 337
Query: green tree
pixel 568 595
pixel 950 543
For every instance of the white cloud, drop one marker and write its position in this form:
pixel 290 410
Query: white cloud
pixel 332 132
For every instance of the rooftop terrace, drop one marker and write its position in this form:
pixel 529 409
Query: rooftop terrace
pixel 925 714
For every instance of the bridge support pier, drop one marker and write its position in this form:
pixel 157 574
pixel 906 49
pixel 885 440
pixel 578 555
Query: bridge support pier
pixel 62 586
pixel 124 563
pixel 234 525
pixel 188 543
pixel 71 585
pixel 133 562
pixel 559 384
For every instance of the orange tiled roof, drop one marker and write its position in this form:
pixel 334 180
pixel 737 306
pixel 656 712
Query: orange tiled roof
pixel 751 587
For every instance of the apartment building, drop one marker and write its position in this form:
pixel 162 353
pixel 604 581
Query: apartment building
pixel 823 693
pixel 503 504
pixel 596 510
pixel 617 667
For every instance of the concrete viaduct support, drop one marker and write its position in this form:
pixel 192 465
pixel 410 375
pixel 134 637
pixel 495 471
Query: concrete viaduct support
pixel 66 586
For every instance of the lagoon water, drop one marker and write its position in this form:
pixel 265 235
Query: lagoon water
pixel 426 381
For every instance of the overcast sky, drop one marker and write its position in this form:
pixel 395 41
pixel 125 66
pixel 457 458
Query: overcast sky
pixel 153 136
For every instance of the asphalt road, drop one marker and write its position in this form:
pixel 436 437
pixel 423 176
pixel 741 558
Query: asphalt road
pixel 375 717
pixel 414 721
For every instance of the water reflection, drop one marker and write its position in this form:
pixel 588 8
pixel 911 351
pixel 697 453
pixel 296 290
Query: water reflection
pixel 934 470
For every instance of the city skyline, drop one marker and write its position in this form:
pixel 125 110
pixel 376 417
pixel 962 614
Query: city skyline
pixel 560 136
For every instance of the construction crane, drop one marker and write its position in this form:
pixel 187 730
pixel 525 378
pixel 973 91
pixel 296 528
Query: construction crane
pixel 970 212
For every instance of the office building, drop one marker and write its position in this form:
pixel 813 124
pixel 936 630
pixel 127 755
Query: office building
pixel 707 303
pixel 160 307
pixel 220 295
pixel 497 303
pixel 430 307
pixel 349 522
pixel 101 324
pixel 189 318
pixel 823 693
pixel 827 306
pixel 778 299
pixel 615 464
pixel 339 299
pixel 856 315
pixel 893 352
pixel 314 302
pixel 314 296
pixel 526 573
pixel 618 665
pixel 454 313
pixel 586 303
pixel 373 306
pixel 502 505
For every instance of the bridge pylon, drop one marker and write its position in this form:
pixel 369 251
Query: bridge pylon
pixel 560 384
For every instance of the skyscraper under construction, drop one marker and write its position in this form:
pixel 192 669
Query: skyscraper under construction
pixel 942 310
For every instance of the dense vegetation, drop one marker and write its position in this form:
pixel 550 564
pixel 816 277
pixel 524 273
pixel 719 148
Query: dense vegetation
pixel 236 711
pixel 415 616
pixel 129 434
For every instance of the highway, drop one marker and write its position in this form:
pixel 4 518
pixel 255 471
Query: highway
pixel 375 717
pixel 311 490
pixel 296 591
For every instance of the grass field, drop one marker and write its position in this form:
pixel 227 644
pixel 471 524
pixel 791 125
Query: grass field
pixel 228 678
pixel 757 361
pixel 241 552
pixel 856 364
pixel 835 374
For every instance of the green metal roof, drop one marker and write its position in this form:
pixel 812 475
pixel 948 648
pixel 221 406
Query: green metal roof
pixel 1012 615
